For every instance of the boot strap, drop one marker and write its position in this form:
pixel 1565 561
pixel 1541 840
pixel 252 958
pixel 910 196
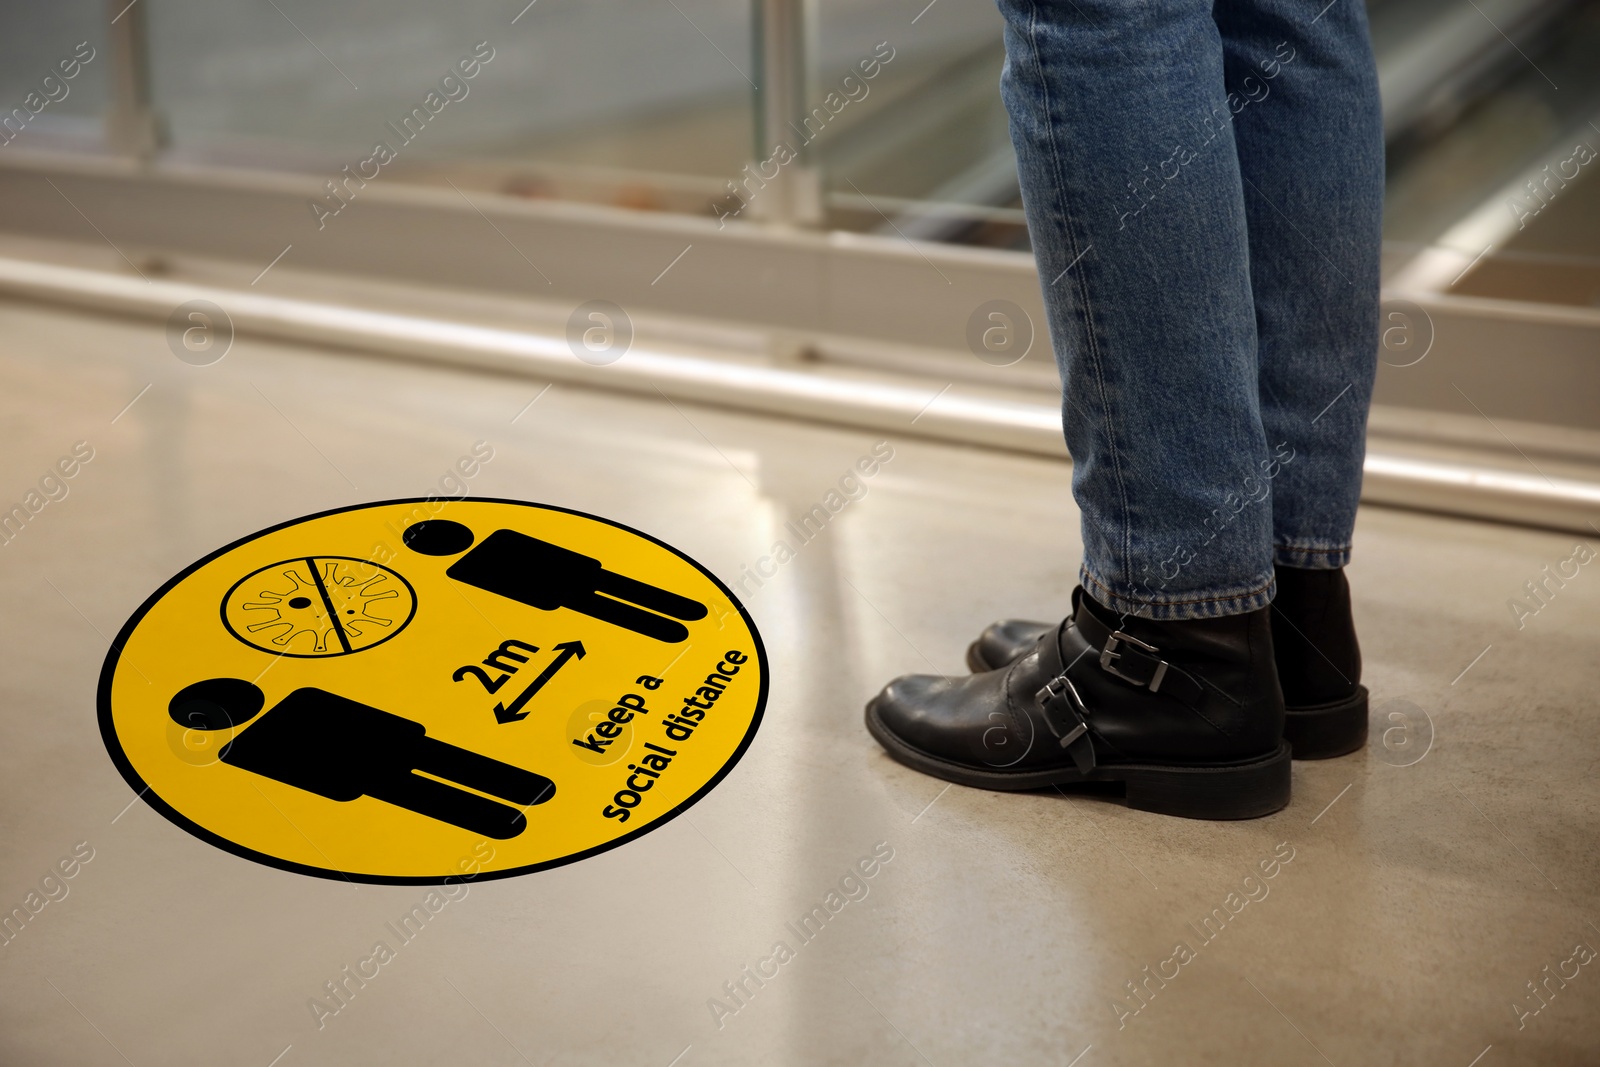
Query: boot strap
pixel 1138 663
pixel 1068 719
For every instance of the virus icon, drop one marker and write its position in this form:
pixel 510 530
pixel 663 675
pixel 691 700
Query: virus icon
pixel 318 606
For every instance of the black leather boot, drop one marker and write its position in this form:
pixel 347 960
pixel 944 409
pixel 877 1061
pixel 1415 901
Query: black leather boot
pixel 1318 659
pixel 1186 716
pixel 1319 663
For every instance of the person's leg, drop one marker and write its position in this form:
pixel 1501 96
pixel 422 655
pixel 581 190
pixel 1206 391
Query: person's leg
pixel 1310 148
pixel 1306 127
pixel 1121 123
pixel 1310 151
pixel 1162 677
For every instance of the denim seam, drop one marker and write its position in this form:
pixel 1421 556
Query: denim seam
pixel 1179 603
pixel 1310 558
pixel 1093 349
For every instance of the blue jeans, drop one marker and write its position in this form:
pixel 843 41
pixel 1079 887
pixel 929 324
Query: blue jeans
pixel 1203 184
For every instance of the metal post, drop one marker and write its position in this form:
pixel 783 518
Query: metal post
pixel 785 52
pixel 131 127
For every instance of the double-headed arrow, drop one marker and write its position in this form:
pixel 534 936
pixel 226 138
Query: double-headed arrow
pixel 511 713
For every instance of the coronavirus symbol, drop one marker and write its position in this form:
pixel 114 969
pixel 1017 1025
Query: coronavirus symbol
pixel 318 606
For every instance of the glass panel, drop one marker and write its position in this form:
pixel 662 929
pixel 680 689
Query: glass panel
pixel 53 72
pixel 1492 188
pixel 925 150
pixel 1470 100
pixel 640 94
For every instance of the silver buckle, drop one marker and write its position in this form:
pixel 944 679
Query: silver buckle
pixel 1060 686
pixel 1109 655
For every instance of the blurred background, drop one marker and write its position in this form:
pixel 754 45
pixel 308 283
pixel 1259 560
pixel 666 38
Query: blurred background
pixel 662 116
pixel 199 141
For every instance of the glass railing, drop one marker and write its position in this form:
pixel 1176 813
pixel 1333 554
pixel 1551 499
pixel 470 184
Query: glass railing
pixel 53 75
pixel 858 115
pixel 601 99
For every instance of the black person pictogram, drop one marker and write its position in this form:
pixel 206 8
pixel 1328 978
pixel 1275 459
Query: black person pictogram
pixel 342 749
pixel 547 577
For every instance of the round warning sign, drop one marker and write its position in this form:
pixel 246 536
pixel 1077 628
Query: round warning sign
pixel 420 691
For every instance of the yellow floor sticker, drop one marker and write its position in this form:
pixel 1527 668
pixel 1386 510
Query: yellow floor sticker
pixel 417 691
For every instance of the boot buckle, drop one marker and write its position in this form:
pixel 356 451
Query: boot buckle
pixel 1110 654
pixel 1061 688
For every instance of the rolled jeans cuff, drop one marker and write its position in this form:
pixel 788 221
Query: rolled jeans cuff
pixel 1175 606
pixel 1311 557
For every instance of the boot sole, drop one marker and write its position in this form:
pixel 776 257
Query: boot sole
pixel 1245 790
pixel 1323 731
pixel 1318 731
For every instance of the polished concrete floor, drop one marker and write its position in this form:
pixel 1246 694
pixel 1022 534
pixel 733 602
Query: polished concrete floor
pixel 1417 888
